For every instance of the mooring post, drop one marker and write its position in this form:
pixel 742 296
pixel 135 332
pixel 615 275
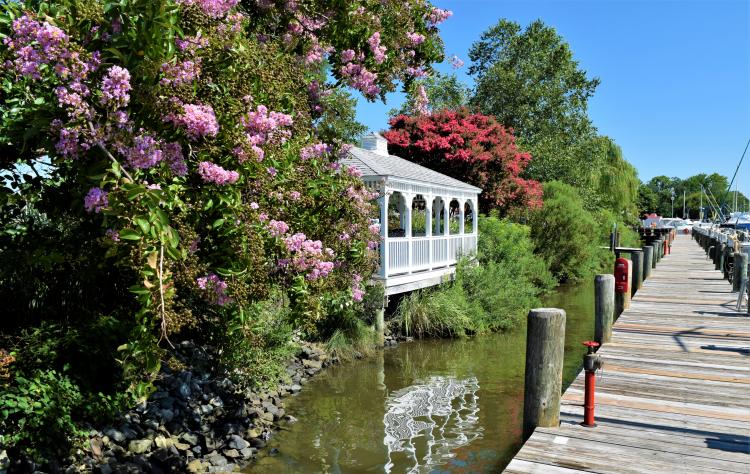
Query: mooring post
pixel 719 260
pixel 545 349
pixel 740 270
pixel 727 253
pixel 636 256
pixel 654 254
pixel 380 325
pixel 648 256
pixel 604 307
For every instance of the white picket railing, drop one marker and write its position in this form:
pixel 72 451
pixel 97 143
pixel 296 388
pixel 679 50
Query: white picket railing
pixel 408 255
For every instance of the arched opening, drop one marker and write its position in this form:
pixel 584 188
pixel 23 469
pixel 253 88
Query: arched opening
pixel 439 224
pixel 418 216
pixel 454 211
pixel 396 215
pixel 469 217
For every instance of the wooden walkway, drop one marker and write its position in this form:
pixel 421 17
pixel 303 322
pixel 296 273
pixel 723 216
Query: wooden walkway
pixel 674 395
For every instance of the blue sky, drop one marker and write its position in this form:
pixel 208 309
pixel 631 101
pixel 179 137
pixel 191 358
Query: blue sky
pixel 675 75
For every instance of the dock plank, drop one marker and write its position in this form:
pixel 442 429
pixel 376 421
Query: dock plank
pixel 674 395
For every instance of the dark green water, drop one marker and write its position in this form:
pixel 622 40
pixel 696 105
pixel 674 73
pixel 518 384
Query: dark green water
pixel 428 406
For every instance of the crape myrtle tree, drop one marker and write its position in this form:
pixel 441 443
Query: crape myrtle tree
pixel 473 148
pixel 169 164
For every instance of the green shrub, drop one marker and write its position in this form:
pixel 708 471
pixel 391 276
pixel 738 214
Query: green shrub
pixel 566 235
pixel 490 293
pixel 37 414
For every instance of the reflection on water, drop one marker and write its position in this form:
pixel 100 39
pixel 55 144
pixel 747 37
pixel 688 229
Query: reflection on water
pixel 428 421
pixel 419 407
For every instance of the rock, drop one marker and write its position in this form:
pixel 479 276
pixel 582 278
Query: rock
pixel 190 438
pixel 248 453
pixel 162 442
pixel 232 453
pixel 236 442
pixel 290 419
pixel 196 466
pixel 252 433
pixel 312 364
pixel 182 446
pixel 273 452
pixel 257 443
pixel 4 460
pixel 216 459
pixel 167 415
pixel 115 435
pixel 140 446
pixel 296 388
pixel 103 469
pixel 96 447
pixel 267 416
pixel 184 391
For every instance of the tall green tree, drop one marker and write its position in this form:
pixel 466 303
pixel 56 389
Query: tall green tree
pixel 530 81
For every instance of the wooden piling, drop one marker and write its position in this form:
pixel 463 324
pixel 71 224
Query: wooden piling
pixel 654 254
pixel 719 260
pixel 740 270
pixel 380 326
pixel 648 264
pixel 636 256
pixel 545 348
pixel 604 307
pixel 727 253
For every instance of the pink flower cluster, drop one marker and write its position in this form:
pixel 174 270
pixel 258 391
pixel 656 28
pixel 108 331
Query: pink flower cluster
pixel 145 152
pixel 456 62
pixel 353 171
pixel 183 72
pixel 33 44
pixel 174 158
pixel 263 127
pixel 421 101
pixel 307 256
pixel 212 8
pixel 377 50
pixel 358 77
pixel 191 43
pixel 215 289
pixel 415 38
pixel 316 53
pixel 198 121
pixel 116 88
pixel 316 150
pixel 277 228
pixel 357 292
pixel 95 200
pixel 438 15
pixel 213 173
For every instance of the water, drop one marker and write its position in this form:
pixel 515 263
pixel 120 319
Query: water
pixel 429 406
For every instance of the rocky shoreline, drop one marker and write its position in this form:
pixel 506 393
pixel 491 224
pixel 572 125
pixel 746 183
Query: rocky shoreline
pixel 194 422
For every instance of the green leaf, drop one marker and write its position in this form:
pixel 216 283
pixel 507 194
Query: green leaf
pixel 130 234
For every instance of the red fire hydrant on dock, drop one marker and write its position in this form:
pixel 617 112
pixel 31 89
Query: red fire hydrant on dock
pixel 591 363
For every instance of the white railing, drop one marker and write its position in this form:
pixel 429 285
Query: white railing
pixel 414 254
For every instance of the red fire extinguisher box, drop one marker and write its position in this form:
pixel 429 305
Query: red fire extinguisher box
pixel 622 283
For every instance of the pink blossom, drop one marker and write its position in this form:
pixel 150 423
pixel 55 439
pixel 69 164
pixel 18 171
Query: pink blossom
pixel 115 87
pixel 215 289
pixel 421 102
pixel 374 229
pixel 352 171
pixel 271 171
pixel 347 55
pixel 438 15
pixel 198 121
pixel 174 158
pixel 183 72
pixel 377 50
pixel 415 38
pixel 212 8
pixel 456 62
pixel 316 150
pixel 277 228
pixel 294 195
pixel 372 245
pixel 264 127
pixel 358 77
pixel 213 173
pixel 145 152
pixel 113 234
pixel 96 200
pixel 263 217
pixel 254 205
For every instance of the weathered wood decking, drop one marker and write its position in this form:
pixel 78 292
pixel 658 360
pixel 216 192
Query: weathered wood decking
pixel 674 396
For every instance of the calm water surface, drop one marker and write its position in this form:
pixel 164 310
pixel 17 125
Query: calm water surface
pixel 447 406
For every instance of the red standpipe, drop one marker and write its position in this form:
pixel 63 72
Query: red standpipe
pixel 591 363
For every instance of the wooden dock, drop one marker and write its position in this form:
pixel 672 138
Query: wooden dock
pixel 674 395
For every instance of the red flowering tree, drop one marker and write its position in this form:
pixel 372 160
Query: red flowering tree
pixel 474 148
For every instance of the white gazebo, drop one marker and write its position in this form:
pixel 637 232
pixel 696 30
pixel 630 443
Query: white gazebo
pixel 427 219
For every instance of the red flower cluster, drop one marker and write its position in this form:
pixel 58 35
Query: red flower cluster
pixel 473 148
